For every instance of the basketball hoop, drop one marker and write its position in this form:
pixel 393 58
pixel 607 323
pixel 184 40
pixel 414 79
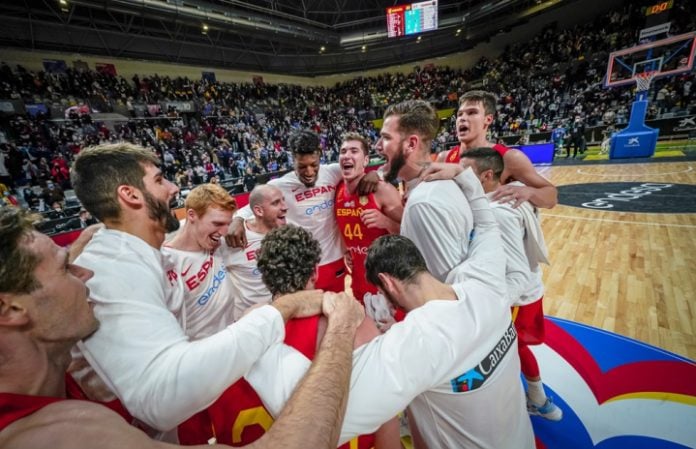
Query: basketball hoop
pixel 643 81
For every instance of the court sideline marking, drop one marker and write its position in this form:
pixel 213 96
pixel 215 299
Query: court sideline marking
pixel 569 217
pixel 637 174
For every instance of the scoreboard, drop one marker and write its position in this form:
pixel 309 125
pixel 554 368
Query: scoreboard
pixel 410 19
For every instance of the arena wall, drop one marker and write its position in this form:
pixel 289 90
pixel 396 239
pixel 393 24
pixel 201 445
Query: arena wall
pixel 574 13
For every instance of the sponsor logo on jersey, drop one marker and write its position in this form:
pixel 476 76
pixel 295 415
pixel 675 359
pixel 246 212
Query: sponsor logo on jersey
pixel 321 207
pixel 477 376
pixel 362 250
pixel 217 282
pixel 311 193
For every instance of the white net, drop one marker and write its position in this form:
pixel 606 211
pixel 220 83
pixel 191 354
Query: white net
pixel 643 81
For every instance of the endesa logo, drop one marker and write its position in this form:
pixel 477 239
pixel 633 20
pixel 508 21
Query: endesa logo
pixel 217 281
pixel 321 207
pixel 361 250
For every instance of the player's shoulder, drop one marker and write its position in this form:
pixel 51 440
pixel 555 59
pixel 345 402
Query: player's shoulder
pixel 58 425
pixel 517 159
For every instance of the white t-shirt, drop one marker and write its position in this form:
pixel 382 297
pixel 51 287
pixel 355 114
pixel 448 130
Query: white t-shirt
pixel 241 265
pixel 312 208
pixel 423 358
pixel 200 280
pixel 437 218
pixel 141 351
pixel 517 274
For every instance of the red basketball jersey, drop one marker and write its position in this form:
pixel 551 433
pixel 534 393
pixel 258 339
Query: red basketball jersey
pixel 238 417
pixel 14 407
pixel 356 236
pixel 454 156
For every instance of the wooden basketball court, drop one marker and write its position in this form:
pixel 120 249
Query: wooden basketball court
pixel 629 273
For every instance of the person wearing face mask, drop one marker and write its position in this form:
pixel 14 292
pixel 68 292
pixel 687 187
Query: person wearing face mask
pixel 52 193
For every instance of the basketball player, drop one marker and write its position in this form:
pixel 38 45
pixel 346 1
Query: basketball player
pixel 488 164
pixel 44 311
pixel 141 351
pixel 474 116
pixel 525 250
pixel 437 217
pixel 363 218
pixel 268 206
pixel 310 193
pixel 438 358
pixel 287 260
pixel 194 265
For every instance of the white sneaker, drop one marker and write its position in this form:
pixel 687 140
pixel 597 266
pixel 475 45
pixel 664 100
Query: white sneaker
pixel 549 410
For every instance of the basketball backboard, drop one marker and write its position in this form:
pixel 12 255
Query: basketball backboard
pixel 665 57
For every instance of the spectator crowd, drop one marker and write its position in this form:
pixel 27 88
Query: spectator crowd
pixel 239 130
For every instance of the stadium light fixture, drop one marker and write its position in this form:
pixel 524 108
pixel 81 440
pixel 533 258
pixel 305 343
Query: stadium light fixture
pixel 204 29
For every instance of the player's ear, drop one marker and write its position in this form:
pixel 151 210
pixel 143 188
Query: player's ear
pixel 12 312
pixel 413 141
pixel 130 195
pixel 388 283
pixel 488 119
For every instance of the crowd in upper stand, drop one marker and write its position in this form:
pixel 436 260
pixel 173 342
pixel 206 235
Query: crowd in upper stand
pixel 240 130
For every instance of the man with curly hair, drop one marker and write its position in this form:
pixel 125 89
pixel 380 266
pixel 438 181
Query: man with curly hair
pixel 141 350
pixel 453 358
pixel 45 310
pixel 287 260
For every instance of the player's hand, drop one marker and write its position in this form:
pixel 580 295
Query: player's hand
pixel 342 309
pixel 348 260
pixel 368 183
pixel 441 170
pixel 236 234
pixel 515 195
pixel 373 218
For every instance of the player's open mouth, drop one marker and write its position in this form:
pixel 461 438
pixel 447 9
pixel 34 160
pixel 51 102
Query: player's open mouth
pixel 281 219
pixel 214 239
pixel 462 129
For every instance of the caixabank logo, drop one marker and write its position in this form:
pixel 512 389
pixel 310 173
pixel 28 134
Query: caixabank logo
pixel 645 197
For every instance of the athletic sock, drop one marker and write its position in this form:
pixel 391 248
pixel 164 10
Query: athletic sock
pixel 535 391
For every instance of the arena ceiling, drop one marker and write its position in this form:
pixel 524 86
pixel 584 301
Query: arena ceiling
pixel 302 37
